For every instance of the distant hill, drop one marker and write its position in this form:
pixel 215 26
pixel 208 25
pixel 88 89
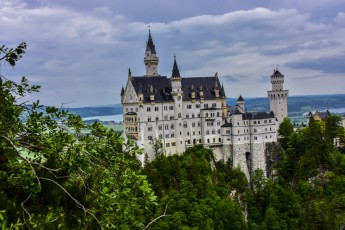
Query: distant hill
pixel 297 105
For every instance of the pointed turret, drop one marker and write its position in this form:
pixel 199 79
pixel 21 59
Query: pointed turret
pixel 175 71
pixel 150 47
pixel 223 91
pixel 151 59
pixel 240 103
pixel 122 91
pixel 216 86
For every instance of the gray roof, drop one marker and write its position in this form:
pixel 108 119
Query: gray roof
pixel 227 125
pixel 150 46
pixel 257 115
pixel 194 84
pixel 162 87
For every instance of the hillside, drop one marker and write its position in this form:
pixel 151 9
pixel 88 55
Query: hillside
pixel 297 105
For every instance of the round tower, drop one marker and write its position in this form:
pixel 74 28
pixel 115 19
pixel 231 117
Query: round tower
pixel 151 59
pixel 278 96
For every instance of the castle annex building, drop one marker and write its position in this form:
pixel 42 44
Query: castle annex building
pixel 183 112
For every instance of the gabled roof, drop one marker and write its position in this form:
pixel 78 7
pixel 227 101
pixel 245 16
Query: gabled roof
pixel 160 85
pixel 196 84
pixel 276 73
pixel 257 116
pixel 226 125
pixel 240 98
pixel 150 46
pixel 175 71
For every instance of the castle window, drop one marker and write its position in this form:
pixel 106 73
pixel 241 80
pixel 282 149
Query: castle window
pixel 220 139
pixel 160 127
pixel 228 131
pixel 197 106
pixel 198 114
pixel 185 125
pixel 199 123
pixel 149 137
pixel 239 139
pixel 193 124
pixel 172 126
pixel 193 133
pixel 166 127
pixel 238 131
pixel 165 117
pixel 238 123
pixel 265 121
pixel 255 130
pixel 254 122
pixel 192 115
pixel 148 109
pixel 270 129
pixel 173 143
pixel 255 138
pixel 214 105
pixel 166 135
pixel 265 129
pixel 157 118
pixel 258 122
pixel 149 128
pixel 269 121
pixel 205 105
pixel 156 108
pixel 126 109
pixel 213 131
pixel 171 117
pixel 218 123
pixel 214 140
pixel 172 135
pixel 187 115
pixel 218 131
pixel 149 118
pixel 207 132
pixel 208 140
pixel 218 114
pixel 179 115
pixel 167 144
pixel 171 107
pixel 189 106
pixel 160 136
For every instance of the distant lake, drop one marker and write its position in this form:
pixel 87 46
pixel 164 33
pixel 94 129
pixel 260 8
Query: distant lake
pixel 117 118
pixel 338 110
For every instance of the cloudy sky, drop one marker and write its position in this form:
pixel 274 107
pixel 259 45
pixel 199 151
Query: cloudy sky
pixel 79 51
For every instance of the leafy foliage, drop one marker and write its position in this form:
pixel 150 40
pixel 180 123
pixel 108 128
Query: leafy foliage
pixel 57 172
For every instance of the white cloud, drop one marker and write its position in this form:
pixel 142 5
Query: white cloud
pixel 83 55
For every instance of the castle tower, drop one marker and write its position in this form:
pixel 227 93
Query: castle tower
pixel 240 103
pixel 151 59
pixel 278 96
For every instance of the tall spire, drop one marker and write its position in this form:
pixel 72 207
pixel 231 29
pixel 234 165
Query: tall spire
pixel 175 71
pixel 149 45
pixel 151 59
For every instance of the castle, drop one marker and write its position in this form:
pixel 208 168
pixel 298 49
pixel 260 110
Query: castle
pixel 182 112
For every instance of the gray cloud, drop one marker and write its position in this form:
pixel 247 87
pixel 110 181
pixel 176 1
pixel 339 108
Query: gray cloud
pixel 80 50
pixel 264 79
pixel 328 64
pixel 229 78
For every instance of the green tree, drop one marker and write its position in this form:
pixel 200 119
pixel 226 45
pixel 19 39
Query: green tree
pixel 57 172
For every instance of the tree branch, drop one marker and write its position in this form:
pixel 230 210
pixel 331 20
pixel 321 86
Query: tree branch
pixel 79 205
pixel 157 218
